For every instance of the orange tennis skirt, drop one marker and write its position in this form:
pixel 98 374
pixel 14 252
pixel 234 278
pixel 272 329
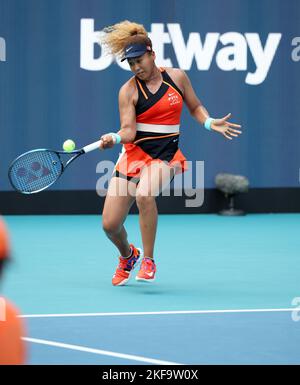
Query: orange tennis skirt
pixel 146 150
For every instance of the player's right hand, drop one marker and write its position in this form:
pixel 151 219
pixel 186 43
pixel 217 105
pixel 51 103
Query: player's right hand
pixel 107 141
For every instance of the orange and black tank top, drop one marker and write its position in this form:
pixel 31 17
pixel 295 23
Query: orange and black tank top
pixel 158 117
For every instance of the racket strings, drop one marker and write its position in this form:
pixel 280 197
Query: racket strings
pixel 35 171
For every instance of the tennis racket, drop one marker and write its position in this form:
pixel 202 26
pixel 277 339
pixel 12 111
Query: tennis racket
pixel 36 170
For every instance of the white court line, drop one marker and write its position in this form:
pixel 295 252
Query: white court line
pixel 157 313
pixel 100 352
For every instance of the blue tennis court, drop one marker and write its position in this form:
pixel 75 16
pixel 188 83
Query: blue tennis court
pixel 224 291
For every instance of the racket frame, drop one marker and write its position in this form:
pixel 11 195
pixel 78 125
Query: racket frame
pixel 76 153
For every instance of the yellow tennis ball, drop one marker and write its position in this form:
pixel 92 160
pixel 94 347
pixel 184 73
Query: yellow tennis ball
pixel 69 145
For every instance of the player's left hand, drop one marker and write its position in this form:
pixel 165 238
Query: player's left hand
pixel 226 128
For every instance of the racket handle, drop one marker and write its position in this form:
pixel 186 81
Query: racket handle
pixel 92 146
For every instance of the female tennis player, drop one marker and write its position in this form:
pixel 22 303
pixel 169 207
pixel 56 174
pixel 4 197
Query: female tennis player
pixel 150 105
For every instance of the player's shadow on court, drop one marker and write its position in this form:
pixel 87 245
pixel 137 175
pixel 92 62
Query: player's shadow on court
pixel 157 289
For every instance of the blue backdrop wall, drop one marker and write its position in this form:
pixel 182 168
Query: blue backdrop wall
pixel 241 56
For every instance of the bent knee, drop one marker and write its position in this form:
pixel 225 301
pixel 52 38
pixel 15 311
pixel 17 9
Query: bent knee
pixel 145 202
pixel 110 226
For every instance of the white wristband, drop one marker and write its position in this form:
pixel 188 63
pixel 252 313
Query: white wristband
pixel 208 123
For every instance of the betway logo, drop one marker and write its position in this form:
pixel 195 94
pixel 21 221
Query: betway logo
pixel 233 56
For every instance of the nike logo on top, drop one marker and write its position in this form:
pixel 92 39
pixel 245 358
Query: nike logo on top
pixel 150 274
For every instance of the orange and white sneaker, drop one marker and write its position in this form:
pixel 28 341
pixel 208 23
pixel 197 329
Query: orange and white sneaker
pixel 125 267
pixel 147 270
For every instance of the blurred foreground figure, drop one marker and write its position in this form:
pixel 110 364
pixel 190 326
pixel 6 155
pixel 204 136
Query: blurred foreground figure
pixel 12 348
